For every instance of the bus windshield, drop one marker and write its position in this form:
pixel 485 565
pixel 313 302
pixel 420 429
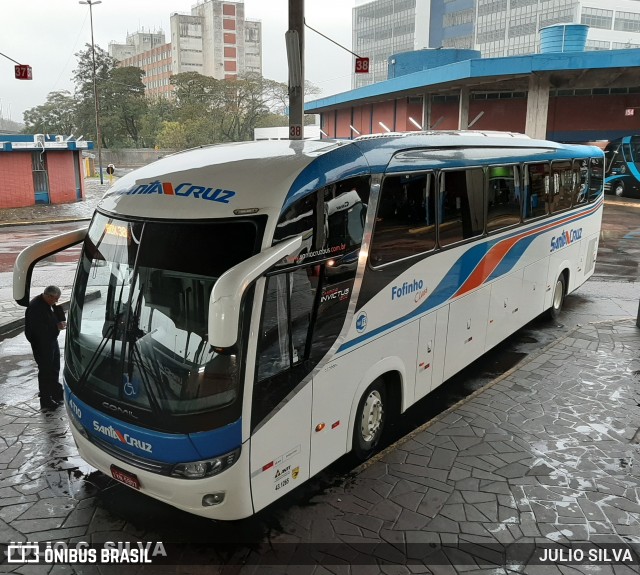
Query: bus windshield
pixel 138 321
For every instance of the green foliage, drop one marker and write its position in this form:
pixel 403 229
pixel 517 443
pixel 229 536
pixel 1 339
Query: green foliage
pixel 203 110
pixel 56 116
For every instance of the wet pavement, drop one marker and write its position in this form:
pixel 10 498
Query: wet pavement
pixel 546 454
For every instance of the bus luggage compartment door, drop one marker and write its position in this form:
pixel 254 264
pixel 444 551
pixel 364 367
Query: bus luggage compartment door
pixel 280 450
pixel 467 330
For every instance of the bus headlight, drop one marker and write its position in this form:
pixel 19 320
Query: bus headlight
pixel 207 467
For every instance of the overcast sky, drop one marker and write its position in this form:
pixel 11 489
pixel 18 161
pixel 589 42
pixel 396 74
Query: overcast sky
pixel 47 33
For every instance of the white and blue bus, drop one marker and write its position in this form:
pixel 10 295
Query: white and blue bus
pixel 622 167
pixel 243 315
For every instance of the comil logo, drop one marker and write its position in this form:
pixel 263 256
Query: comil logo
pixel 122 437
pixel 186 189
pixel 565 238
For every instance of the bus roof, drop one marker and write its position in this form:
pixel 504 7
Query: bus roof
pixel 227 180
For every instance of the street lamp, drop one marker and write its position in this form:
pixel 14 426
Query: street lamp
pixel 91 4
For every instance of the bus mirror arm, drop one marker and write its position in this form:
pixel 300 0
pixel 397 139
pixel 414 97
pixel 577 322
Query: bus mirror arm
pixel 30 256
pixel 227 292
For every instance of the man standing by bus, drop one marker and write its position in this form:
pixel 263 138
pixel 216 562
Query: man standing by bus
pixel 43 321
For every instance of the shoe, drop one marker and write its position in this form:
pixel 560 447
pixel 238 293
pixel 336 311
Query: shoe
pixel 49 405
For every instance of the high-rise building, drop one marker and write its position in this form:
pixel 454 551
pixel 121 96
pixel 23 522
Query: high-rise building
pixel 385 27
pixel 150 52
pixel 214 40
pixel 497 28
pixel 510 27
pixel 136 43
pixel 217 37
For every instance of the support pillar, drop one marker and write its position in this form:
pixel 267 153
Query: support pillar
pixel 463 109
pixel 537 107
pixel 426 111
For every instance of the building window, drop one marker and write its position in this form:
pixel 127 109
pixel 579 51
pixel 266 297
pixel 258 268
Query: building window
pixel 597 18
pixel 627 22
pixel 597 45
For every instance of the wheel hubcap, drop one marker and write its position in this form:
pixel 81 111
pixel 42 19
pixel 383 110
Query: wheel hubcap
pixel 619 190
pixel 557 295
pixel 371 416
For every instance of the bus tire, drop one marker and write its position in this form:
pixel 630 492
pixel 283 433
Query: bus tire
pixel 370 419
pixel 618 189
pixel 559 292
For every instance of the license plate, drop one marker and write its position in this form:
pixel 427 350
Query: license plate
pixel 125 477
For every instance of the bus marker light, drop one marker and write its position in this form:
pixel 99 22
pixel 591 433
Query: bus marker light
pixel 320 427
pixel 335 424
pixel 267 466
pixel 331 263
pixel 245 211
pixel 213 499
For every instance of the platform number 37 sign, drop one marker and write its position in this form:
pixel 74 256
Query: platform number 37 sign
pixel 23 72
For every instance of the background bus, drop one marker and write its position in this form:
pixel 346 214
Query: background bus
pixel 264 308
pixel 622 170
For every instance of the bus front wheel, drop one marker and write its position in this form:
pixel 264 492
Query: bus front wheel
pixel 558 297
pixel 370 420
pixel 618 189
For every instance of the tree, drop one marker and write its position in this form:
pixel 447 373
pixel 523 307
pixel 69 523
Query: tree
pixel 83 78
pixel 121 98
pixel 173 135
pixel 124 106
pixel 214 110
pixel 56 116
pixel 159 111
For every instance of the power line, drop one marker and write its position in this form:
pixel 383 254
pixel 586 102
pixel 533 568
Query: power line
pixel 7 57
pixel 330 40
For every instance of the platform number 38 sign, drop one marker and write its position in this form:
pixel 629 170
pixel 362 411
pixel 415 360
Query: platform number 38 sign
pixel 362 66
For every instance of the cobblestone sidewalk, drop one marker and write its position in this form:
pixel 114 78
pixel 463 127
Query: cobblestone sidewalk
pixel 547 454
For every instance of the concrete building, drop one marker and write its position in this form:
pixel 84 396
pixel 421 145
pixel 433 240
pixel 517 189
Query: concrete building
pixel 227 38
pixel 156 64
pixel 40 169
pixel 496 28
pixel 385 27
pixel 572 96
pixel 214 40
pixel 186 43
pixel 510 27
pixel 136 43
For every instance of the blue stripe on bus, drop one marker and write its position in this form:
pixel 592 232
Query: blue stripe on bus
pixel 153 445
pixel 467 262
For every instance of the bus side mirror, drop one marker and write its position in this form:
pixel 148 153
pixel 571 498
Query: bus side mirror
pixel 227 292
pixel 30 256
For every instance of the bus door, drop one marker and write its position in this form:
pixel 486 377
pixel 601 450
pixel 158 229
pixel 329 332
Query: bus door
pixel 282 394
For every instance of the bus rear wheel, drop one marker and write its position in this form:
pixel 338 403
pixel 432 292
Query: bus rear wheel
pixel 370 419
pixel 558 297
pixel 618 189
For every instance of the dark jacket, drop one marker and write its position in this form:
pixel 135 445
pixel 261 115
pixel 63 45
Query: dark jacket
pixel 41 322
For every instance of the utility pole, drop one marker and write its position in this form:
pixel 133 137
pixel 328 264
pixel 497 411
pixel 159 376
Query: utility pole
pixel 295 55
pixel 91 4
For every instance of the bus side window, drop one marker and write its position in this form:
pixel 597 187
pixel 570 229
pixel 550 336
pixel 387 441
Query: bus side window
pixel 564 182
pixel 405 221
pixel 537 188
pixel 462 205
pixel 503 198
pixel 596 177
pixel 581 188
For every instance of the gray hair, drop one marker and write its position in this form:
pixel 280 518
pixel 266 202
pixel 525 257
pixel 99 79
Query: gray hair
pixel 52 290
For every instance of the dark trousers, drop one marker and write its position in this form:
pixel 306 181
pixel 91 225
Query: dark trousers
pixel 47 356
